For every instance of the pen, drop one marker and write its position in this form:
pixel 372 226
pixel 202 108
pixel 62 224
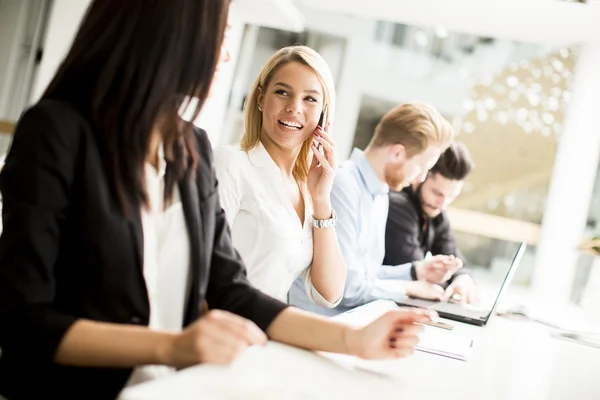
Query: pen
pixel 440 324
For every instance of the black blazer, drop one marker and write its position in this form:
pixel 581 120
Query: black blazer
pixel 409 234
pixel 67 253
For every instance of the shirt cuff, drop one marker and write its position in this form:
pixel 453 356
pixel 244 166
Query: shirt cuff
pixel 389 289
pixel 413 271
pixel 399 272
pixel 313 294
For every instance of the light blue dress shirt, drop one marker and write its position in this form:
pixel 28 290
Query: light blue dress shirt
pixel 361 203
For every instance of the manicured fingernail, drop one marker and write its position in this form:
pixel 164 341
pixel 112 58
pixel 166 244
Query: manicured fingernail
pixel 319 127
pixel 399 330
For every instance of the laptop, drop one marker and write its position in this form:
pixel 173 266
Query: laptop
pixel 467 313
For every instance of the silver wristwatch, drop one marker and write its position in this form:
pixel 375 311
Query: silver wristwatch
pixel 325 223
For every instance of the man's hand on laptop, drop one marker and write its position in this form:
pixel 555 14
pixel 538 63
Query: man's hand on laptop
pixel 424 290
pixel 462 289
pixel 437 269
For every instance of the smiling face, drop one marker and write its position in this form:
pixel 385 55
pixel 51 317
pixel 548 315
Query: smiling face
pixel 291 105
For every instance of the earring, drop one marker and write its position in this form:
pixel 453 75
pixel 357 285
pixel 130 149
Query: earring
pixel 258 106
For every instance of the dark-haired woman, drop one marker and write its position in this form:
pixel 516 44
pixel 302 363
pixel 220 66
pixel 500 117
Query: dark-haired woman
pixel 113 232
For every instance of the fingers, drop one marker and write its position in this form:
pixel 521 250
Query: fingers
pixel 325 135
pixel 218 345
pixel 442 258
pixel 219 333
pixel 222 336
pixel 450 290
pixel 400 342
pixel 462 294
pixel 328 145
pixel 403 352
pixel 458 263
pixel 468 297
pixel 472 296
pixel 404 340
pixel 424 290
pixel 322 160
pixel 436 271
pixel 435 292
pixel 406 331
pixel 328 149
pixel 437 276
pixel 242 328
pixel 410 316
pixel 223 353
pixel 315 162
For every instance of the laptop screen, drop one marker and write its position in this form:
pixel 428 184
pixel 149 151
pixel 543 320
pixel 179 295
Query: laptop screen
pixel 509 275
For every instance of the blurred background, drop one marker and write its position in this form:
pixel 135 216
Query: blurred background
pixel 518 79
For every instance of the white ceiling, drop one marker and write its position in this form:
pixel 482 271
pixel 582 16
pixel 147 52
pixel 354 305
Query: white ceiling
pixel 278 14
pixel 552 22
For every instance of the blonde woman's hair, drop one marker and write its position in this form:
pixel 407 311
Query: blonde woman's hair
pixel 253 116
pixel 414 125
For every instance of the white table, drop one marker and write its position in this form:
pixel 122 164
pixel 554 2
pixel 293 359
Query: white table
pixel 510 360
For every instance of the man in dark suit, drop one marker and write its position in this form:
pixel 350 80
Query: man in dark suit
pixel 417 224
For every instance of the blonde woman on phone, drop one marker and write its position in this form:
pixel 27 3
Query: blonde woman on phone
pixel 275 186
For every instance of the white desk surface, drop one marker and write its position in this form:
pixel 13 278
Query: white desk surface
pixel 510 360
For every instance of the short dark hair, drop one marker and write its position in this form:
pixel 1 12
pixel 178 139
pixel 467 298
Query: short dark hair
pixel 455 163
pixel 132 66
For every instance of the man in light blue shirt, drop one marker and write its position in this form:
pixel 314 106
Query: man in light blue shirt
pixel 406 144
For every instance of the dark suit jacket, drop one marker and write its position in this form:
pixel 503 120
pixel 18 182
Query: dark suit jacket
pixel 67 253
pixel 407 236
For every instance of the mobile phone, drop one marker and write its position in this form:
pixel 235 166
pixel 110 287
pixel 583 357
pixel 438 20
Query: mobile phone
pixel 320 147
pixel 321 118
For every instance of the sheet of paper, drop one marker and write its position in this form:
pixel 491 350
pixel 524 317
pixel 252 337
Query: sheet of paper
pixel 445 343
pixel 433 340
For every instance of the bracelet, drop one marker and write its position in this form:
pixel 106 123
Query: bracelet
pixel 325 223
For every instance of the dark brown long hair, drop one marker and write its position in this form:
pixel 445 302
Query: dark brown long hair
pixel 131 67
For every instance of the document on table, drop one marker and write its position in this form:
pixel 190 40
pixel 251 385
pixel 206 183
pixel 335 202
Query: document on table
pixel 433 340
pixel 445 343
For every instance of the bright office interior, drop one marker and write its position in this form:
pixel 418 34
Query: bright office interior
pixel 522 96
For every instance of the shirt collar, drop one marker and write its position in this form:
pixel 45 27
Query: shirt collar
pixel 368 174
pixel 162 162
pixel 158 172
pixel 260 157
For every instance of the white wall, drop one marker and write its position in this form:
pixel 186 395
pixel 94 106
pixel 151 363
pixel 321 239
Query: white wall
pixel 214 110
pixel 362 66
pixel 11 28
pixel 63 23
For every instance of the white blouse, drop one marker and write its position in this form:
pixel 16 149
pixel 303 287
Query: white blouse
pixel 266 230
pixel 166 264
